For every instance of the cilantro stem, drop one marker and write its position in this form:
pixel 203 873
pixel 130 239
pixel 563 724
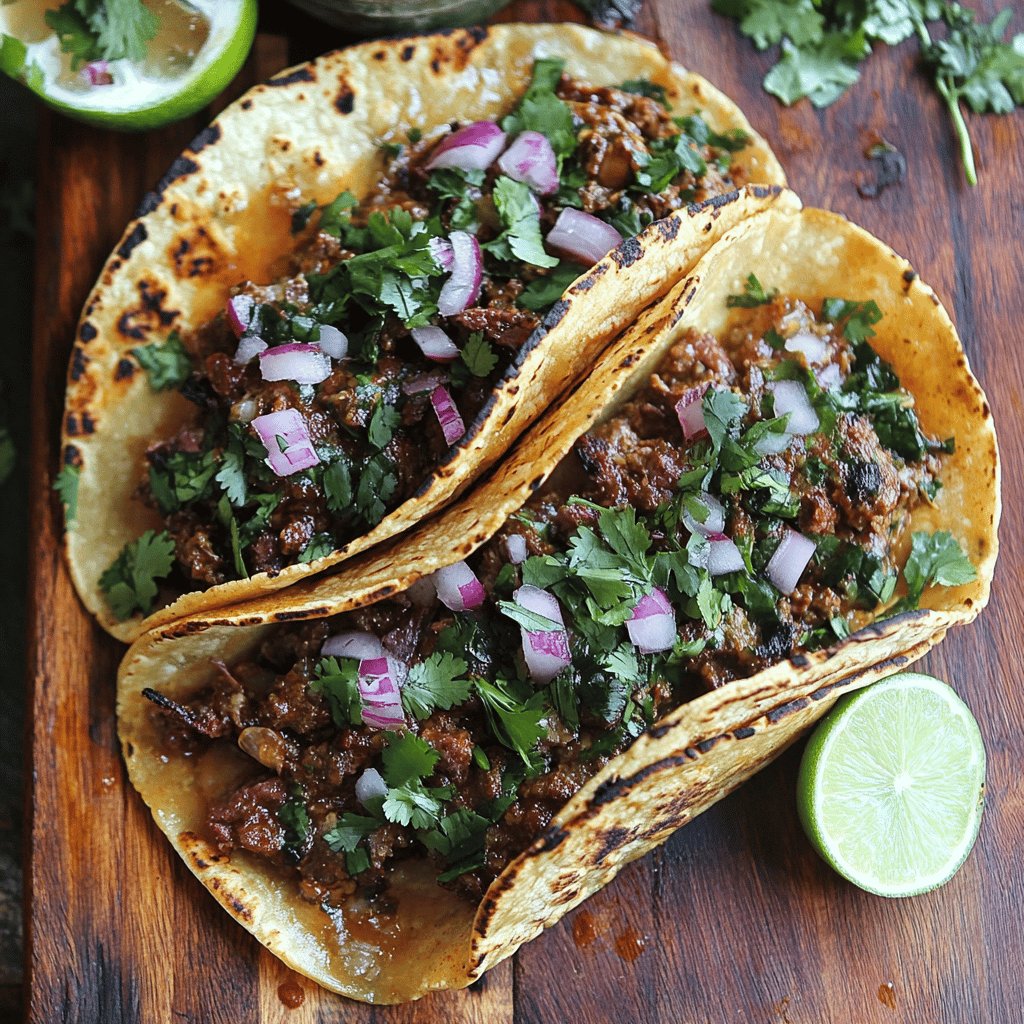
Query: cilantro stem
pixel 952 98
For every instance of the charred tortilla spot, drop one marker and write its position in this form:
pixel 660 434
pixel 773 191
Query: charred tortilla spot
pixel 246 104
pixel 555 314
pixel 407 52
pixel 310 613
pixel 78 362
pixel 668 228
pixel 87 331
pixel 536 482
pixel 124 370
pixel 318 158
pixel 584 284
pixel 744 732
pixel 628 253
pixel 380 55
pixel 240 909
pixel 136 237
pixel 303 74
pixel 629 361
pixel 909 277
pixel 611 841
pixel 79 426
pixel 150 201
pixel 345 101
pixel 181 168
pixel 149 315
pixel 705 745
pixel 552 839
pixel 207 137
pixel 196 255
pixel 72 455
pixel 777 714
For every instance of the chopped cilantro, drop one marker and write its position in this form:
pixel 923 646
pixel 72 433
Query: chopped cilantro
pixel 231 473
pixel 377 482
pixel 857 318
pixel 382 425
pixel 320 546
pixel 182 477
pixel 337 482
pixel 435 683
pixel 723 410
pixel 335 217
pixel 130 581
pixel 516 723
pixel 415 805
pixel 753 295
pixel 66 485
pixel 478 356
pixel 407 758
pixel 540 110
pixel 520 216
pixel 348 831
pixel 103 29
pixel 167 366
pixel 294 816
pixel 645 87
pixel 938 559
pixel 541 292
pixel 337 680
pixel 301 216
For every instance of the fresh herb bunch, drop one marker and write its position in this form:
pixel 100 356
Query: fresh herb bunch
pixel 103 29
pixel 824 41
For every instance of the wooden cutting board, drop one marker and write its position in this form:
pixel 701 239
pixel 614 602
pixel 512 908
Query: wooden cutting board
pixel 734 919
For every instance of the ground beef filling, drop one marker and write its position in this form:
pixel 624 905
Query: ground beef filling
pixel 862 495
pixel 615 132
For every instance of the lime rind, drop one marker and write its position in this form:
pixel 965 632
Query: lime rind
pixel 136 102
pixel 891 787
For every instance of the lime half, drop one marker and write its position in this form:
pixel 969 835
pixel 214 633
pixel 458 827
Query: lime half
pixel 198 48
pixel 892 785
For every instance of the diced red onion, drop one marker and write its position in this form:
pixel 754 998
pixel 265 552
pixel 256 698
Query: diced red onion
pixel 240 310
pixel 288 424
pixel 423 382
pixel 463 287
pixel 447 414
pixel 652 626
pixel 515 545
pixel 690 410
pixel 829 376
pixel 791 397
pixel 354 643
pixel 441 250
pixel 715 522
pixel 435 344
pixel 546 651
pixel 582 236
pixel 97 72
pixel 472 148
pixel 809 345
pixel 531 159
pixel 380 693
pixel 458 588
pixel 332 342
pixel 248 348
pixel 304 364
pixel 723 555
pixel 371 786
pixel 787 565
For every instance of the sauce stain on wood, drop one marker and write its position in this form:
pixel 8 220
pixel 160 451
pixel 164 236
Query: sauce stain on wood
pixel 887 995
pixel 291 994
pixel 584 930
pixel 629 944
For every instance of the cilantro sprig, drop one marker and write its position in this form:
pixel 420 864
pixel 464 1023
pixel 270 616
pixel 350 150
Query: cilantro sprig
pixel 130 583
pixel 823 42
pixel 103 29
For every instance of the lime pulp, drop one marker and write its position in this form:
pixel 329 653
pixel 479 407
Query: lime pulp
pixel 891 785
pixel 198 50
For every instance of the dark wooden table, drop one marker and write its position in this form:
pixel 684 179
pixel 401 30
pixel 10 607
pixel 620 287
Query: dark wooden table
pixel 734 919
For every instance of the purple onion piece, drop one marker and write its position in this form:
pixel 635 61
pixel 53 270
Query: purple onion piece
pixel 531 159
pixel 690 410
pixel 288 425
pixel 458 587
pixel 515 545
pixel 546 651
pixel 352 644
pixel 304 364
pixel 448 415
pixel 248 348
pixel 332 342
pixel 790 396
pixel 471 148
pixel 715 521
pixel 652 626
pixel 787 565
pixel 582 237
pixel 463 288
pixel 370 786
pixel 240 310
pixel 435 344
pixel 723 556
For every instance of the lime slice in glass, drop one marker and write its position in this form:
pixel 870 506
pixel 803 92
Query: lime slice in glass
pixel 197 48
pixel 892 785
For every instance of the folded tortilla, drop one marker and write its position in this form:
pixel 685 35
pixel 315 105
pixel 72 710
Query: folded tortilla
pixel 220 215
pixel 691 757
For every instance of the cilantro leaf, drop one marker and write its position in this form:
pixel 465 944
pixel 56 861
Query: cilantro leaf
pixel 768 22
pixel 857 318
pixel 435 683
pixel 723 410
pixel 377 482
pixel 123 27
pixel 516 724
pixel 231 474
pixel 540 110
pixel 294 816
pixel 480 359
pixel 382 425
pixel 66 485
pixel 935 558
pixel 414 805
pixel 541 292
pixel 337 482
pixel 130 581
pixel 167 366
pixel 335 217
pixel 520 215
pixel 348 831
pixel 320 546
pixel 753 295
pixel 645 87
pixel 337 680
pixel 407 758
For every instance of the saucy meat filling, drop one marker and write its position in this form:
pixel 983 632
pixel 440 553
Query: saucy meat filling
pixel 326 399
pixel 745 504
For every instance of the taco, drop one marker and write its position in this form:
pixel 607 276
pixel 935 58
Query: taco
pixel 780 484
pixel 345 300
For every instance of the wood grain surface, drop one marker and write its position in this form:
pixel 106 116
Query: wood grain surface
pixel 734 919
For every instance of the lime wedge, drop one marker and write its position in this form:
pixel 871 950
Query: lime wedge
pixel 892 785
pixel 197 49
